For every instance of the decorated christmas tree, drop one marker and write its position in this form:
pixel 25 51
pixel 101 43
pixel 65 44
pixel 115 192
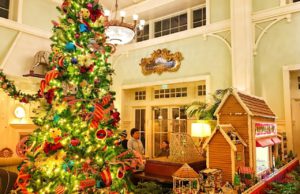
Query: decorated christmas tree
pixel 75 148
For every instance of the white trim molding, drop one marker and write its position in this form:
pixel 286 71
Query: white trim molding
pixel 265 29
pixel 208 29
pixel 266 15
pixel 6 23
pixel 287 102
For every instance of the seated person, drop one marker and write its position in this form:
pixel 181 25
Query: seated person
pixel 124 140
pixel 164 149
pixel 134 143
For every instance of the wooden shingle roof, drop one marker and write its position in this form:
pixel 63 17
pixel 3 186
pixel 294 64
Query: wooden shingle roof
pixel 253 105
pixel 256 106
pixel 185 172
pixel 228 132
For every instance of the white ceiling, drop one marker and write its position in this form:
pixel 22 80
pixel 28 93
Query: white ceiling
pixel 149 9
pixel 110 4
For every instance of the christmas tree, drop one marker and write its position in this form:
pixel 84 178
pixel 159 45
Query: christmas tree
pixel 75 148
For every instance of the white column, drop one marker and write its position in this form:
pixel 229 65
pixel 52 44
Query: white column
pixel 20 11
pixel 151 29
pixel 242 45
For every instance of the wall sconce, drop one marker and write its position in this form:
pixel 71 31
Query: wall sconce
pixel 201 130
pixel 20 112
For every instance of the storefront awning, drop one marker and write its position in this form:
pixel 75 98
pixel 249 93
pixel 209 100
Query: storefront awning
pixel 264 142
pixel 246 170
pixel 276 140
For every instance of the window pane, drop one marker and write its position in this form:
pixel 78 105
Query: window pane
pixel 174 22
pixel 197 15
pixel 157 27
pixel 166 24
pixel 166 32
pixel 157 34
pixel 3 13
pixel 174 30
pixel 183 19
pixel 182 28
pixel 146 29
pixel 4 4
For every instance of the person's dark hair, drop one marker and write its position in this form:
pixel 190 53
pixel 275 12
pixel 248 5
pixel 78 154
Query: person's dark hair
pixel 167 142
pixel 133 130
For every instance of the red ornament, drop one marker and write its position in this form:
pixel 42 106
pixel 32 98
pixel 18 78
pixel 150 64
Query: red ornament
pixel 101 134
pixel 87 183
pixel 75 142
pixel 109 133
pixel 120 173
pixel 49 96
pixel 77 36
pixel 106 177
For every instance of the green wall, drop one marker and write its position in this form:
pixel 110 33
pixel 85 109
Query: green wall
pixel 201 57
pixel 279 46
pixel 39 13
pixel 258 5
pixel 219 10
pixel 7 37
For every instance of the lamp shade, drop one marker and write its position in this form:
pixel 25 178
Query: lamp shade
pixel 200 130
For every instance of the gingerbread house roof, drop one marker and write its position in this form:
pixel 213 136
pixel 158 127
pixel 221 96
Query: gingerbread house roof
pixel 185 172
pixel 230 134
pixel 253 105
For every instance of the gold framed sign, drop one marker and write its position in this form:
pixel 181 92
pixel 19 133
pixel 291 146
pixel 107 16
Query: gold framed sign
pixel 161 61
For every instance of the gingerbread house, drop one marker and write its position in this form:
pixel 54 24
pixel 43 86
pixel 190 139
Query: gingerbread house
pixel 225 151
pixel 254 122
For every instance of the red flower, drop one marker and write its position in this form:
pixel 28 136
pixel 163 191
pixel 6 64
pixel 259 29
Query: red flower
pixel 49 96
pixel 75 142
pixel 47 147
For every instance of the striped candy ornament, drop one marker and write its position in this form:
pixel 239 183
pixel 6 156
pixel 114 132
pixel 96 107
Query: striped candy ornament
pixel 106 99
pixel 60 190
pixel 106 177
pixel 99 112
pixel 42 87
pixel 61 61
pixel 51 75
pixel 87 183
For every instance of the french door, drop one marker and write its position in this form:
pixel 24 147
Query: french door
pixel 167 120
pixel 140 114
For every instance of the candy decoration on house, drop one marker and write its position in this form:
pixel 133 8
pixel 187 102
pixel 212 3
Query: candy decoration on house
pixel 186 180
pixel 9 87
pixel 246 134
pixel 73 149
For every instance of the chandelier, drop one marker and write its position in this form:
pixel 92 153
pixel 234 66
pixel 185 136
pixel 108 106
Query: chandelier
pixel 118 31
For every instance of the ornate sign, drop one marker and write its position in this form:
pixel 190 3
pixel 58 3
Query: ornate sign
pixel 262 129
pixel 160 61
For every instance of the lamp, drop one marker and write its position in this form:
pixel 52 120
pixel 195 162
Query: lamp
pixel 200 130
pixel 20 112
pixel 118 31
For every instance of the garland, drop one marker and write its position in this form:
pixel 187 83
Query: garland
pixel 10 88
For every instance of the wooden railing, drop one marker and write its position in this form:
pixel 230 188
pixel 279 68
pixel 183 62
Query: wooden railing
pixel 260 187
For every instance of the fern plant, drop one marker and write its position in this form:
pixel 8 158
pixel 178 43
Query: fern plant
pixel 205 111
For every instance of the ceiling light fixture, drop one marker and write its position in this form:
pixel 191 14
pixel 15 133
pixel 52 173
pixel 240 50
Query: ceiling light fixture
pixel 118 31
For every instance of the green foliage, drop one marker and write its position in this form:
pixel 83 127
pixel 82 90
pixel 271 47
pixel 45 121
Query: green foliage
pixel 289 185
pixel 150 188
pixel 205 111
